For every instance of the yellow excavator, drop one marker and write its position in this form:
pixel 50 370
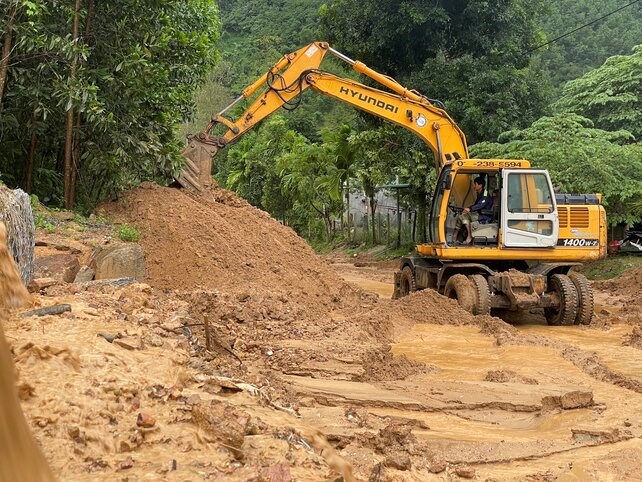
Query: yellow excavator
pixel 517 253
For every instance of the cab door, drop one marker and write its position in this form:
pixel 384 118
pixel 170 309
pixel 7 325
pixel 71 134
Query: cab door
pixel 528 210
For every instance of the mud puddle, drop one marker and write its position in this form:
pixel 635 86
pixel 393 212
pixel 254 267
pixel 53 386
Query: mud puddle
pixel 607 344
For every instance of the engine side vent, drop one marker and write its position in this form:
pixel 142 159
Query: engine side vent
pixel 579 217
pixel 563 216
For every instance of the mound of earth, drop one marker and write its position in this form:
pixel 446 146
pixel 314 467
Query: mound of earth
pixel 628 286
pixel 215 240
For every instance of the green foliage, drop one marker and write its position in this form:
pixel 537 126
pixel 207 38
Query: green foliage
pixel 469 54
pixel 255 35
pixel 573 56
pixel 128 233
pixel 611 267
pixel 610 95
pixel 43 222
pixel 137 66
pixel 580 159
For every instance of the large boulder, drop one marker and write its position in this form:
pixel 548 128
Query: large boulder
pixel 62 267
pixel 121 261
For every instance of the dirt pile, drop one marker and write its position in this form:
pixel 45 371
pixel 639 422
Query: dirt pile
pixel 214 240
pixel 628 286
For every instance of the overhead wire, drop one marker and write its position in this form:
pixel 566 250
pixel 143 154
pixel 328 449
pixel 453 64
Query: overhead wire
pixel 582 26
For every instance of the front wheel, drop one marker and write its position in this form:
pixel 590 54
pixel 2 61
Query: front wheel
pixel 407 282
pixel 460 288
pixel 566 312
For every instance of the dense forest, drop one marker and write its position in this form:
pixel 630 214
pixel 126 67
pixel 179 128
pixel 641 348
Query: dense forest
pixel 97 96
pixel 92 92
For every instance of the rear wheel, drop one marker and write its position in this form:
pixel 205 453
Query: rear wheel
pixel 566 313
pixel 482 294
pixel 407 282
pixel 586 304
pixel 460 288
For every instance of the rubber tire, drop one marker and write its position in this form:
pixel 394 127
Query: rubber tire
pixel 586 302
pixel 482 294
pixel 568 296
pixel 407 283
pixel 460 288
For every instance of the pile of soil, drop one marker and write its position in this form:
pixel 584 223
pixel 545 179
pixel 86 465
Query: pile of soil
pixel 628 286
pixel 214 240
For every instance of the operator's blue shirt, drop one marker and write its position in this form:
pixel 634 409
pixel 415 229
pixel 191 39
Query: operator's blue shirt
pixel 482 202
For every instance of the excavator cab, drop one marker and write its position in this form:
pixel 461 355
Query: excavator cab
pixel 519 202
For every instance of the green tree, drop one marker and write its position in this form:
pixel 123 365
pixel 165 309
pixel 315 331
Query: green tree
pixel 313 179
pixel 573 56
pixel 469 54
pixel 610 95
pixel 119 75
pixel 251 165
pixel 580 159
pixel 376 155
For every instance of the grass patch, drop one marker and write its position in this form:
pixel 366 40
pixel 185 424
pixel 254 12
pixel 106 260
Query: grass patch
pixel 611 267
pixel 128 233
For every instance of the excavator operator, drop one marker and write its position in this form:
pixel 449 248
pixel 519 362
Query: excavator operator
pixel 472 213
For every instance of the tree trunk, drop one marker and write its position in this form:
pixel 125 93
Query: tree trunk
pixel 373 208
pixel 414 226
pixel 69 127
pixel 6 51
pixel 79 121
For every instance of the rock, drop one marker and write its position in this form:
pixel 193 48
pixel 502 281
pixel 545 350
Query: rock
pixel 62 267
pixel 127 342
pixel 109 337
pixel 121 261
pixel 26 391
pixel 277 473
pixel 60 244
pixel 576 399
pixel 438 466
pixel 128 463
pixel 154 340
pixel 224 422
pixel 145 420
pixel 41 283
pixel 465 472
pixel 84 275
pixel 399 462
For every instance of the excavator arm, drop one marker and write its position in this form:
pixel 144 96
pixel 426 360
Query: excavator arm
pixel 290 76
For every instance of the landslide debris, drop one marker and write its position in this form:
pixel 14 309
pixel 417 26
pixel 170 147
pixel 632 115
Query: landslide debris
pixel 216 241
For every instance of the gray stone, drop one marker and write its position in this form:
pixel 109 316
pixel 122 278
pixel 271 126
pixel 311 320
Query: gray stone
pixel 84 275
pixel 121 261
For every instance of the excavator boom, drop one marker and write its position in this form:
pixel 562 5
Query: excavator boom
pixel 290 76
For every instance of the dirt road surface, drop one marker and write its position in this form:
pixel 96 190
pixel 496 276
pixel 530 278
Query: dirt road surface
pixel 245 356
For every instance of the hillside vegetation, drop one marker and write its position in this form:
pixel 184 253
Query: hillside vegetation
pixel 88 112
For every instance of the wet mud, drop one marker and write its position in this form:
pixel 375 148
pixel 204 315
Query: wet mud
pixel 245 356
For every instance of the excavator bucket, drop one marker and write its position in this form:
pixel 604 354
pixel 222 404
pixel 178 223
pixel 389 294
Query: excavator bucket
pixel 197 169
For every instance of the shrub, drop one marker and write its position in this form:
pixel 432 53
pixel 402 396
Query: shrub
pixel 128 233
